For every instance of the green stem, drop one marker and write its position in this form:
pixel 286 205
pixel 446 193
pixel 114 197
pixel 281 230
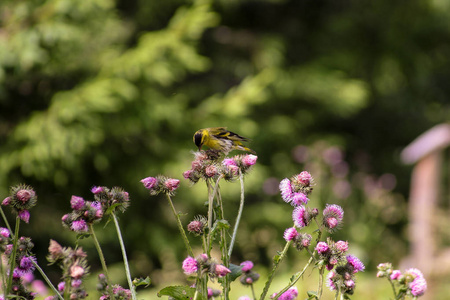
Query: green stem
pixel 12 259
pixel 55 290
pixel 253 292
pixel 211 196
pixel 125 259
pixel 180 227
pixel 277 262
pixel 238 218
pixel 102 260
pixel 99 251
pixel 319 290
pixel 5 220
pixel 393 287
pixel 296 278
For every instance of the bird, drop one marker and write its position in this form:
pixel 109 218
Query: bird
pixel 219 138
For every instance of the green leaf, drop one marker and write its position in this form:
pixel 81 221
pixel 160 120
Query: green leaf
pixel 312 295
pixel 178 292
pixel 236 271
pixel 142 281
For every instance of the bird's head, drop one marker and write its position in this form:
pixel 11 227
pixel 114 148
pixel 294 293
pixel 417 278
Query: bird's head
pixel 199 138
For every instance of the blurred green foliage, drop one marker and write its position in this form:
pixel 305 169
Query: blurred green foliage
pixel 107 92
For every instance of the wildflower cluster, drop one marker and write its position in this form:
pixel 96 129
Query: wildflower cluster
pixel 342 278
pixel 24 262
pixel 331 255
pixel 248 275
pixel 73 263
pixel 409 283
pixel 296 189
pixel 119 293
pixel 207 165
pixel 204 265
pixel 161 184
pixel 290 294
pixel 86 213
pixel 22 197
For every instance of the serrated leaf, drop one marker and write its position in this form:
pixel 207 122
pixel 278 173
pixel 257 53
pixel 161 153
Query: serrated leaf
pixel 221 224
pixel 178 292
pixel 81 236
pixel 236 271
pixel 312 295
pixel 142 281
pixel 276 258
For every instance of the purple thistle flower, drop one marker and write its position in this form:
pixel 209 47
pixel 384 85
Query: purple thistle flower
pixel 210 170
pixel 332 217
pixel 172 184
pixel 76 202
pixel 149 182
pixel 286 190
pixel 24 215
pixel 190 266
pixel 418 286
pixel 76 283
pixel 229 162
pixel 79 226
pixel 26 265
pixel 330 281
pixel 24 195
pixel 299 199
pixel 299 216
pixel 355 263
pixel 4 232
pixel 97 190
pixel 187 174
pixel 322 247
pixel 341 246
pixel 350 284
pixel 395 274
pixel 290 234
pixel 290 294
pixel 6 201
pixel 246 265
pixel 304 178
pixel 234 170
pixel 249 160
pixel 221 270
pixel 61 286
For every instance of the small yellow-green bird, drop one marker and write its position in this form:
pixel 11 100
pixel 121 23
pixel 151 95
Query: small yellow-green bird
pixel 219 138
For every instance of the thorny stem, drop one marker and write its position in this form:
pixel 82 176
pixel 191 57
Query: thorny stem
pixel 277 262
pixel 12 259
pixel 238 218
pixel 125 259
pixel 294 281
pixel 180 227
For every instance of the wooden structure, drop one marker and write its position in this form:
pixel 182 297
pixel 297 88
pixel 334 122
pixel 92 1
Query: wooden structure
pixel 426 152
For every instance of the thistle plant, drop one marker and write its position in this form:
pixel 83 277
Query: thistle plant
pixel 311 232
pixel 410 283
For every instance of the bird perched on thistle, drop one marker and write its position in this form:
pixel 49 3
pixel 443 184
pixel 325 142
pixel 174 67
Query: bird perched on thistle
pixel 219 138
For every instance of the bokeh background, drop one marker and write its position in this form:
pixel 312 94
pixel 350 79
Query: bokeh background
pixel 105 92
